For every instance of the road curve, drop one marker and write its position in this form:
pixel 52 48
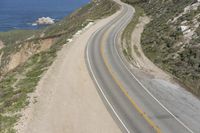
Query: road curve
pixel 132 106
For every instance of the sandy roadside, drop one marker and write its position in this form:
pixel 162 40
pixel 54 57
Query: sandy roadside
pixel 67 100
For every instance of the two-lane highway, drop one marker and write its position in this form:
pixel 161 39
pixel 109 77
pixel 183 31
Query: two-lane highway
pixel 130 103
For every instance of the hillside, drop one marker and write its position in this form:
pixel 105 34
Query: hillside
pixel 26 54
pixel 171 38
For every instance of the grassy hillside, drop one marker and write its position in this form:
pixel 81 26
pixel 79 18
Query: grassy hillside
pixel 17 83
pixel 171 40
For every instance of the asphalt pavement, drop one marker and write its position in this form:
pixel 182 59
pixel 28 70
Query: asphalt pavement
pixel 133 107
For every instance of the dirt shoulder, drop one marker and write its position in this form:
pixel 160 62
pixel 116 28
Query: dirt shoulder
pixel 161 84
pixel 67 100
pixel 142 62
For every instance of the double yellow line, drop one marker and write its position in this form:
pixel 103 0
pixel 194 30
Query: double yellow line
pixel 143 114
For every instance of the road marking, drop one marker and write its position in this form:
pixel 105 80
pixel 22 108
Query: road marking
pixel 101 90
pixel 144 115
pixel 98 86
pixel 165 108
pixel 126 92
pixel 134 104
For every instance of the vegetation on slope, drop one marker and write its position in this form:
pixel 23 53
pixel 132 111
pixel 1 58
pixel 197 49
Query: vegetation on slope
pixel 171 39
pixel 16 84
pixel 127 34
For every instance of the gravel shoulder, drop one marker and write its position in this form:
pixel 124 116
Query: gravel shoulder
pixel 66 100
pixel 142 62
pixel 175 97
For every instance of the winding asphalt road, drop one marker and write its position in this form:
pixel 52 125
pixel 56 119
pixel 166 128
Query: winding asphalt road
pixel 132 106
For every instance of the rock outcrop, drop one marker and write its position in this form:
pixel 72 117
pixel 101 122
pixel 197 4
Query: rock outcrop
pixel 45 21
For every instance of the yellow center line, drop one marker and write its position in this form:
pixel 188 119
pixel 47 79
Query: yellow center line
pixel 143 114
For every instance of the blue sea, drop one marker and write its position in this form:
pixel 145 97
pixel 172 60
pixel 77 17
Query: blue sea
pixel 21 14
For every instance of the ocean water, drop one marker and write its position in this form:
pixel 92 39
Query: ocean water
pixel 21 14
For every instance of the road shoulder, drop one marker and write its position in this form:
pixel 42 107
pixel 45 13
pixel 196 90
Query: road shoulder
pixel 67 100
pixel 161 84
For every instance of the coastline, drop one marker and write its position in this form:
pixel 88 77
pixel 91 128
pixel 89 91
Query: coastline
pixel 74 85
pixel 28 54
pixel 14 18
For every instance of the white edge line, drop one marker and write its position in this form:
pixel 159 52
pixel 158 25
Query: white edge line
pixel 190 130
pixel 99 87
